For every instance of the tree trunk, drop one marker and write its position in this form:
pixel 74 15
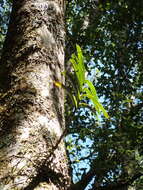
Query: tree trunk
pixel 32 107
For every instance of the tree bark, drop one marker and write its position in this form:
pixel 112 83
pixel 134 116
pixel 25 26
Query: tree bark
pixel 31 106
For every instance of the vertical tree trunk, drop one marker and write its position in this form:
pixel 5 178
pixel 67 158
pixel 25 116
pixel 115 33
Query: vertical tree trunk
pixel 31 110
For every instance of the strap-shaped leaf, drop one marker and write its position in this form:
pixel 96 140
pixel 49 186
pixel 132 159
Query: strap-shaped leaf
pixel 76 69
pixel 92 95
pixel 80 62
pixel 78 65
pixel 92 88
pixel 85 88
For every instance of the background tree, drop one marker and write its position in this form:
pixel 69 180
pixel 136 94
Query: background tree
pixel 31 115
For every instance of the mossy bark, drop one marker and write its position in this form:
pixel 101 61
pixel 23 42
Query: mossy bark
pixel 31 106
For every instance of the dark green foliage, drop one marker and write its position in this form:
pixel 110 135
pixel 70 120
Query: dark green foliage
pixel 110 35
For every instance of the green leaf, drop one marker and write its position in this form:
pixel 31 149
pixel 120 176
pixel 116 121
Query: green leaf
pixel 85 88
pixel 80 62
pixel 92 88
pixel 78 65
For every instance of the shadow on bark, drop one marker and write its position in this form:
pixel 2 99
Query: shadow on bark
pixel 44 174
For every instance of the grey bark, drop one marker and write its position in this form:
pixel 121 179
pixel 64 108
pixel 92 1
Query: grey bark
pixel 31 106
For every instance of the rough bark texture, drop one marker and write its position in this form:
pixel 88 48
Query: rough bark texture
pixel 31 110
